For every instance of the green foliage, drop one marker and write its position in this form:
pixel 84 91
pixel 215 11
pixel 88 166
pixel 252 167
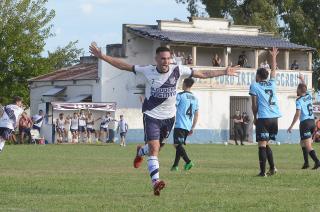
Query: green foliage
pixel 24 28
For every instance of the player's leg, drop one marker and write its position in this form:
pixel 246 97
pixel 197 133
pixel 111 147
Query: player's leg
pixel 272 126
pixel 262 137
pixel 241 135
pixel 176 142
pixel 3 137
pixel 312 152
pixel 305 155
pixel 236 135
pixel 21 136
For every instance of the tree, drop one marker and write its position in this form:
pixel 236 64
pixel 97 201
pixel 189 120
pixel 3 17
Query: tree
pixel 24 28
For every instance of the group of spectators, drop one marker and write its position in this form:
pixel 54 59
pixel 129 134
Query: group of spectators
pixel 241 122
pixel 181 59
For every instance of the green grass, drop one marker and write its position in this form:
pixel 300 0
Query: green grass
pixel 101 178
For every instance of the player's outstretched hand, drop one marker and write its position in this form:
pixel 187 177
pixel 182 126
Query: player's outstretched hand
pixel 232 71
pixel 190 132
pixel 94 50
pixel 301 77
pixel 274 52
pixel 289 130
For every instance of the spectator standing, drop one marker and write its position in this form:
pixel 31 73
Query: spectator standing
pixel 82 127
pixel 25 124
pixel 189 60
pixel 245 124
pixel 295 65
pixel 216 61
pixel 265 65
pixel 238 131
pixel 60 127
pixel 123 129
pixel 242 61
pixel 38 120
pixel 74 127
pixel 178 58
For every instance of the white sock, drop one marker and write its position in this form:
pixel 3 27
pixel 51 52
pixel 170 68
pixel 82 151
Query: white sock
pixel 2 143
pixel 144 150
pixel 153 166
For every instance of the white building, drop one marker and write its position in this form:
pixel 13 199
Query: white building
pixel 201 38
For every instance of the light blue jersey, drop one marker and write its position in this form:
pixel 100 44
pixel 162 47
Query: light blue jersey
pixel 187 105
pixel 304 104
pixel 268 105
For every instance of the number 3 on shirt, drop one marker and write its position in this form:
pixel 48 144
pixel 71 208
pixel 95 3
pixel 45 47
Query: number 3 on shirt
pixel 270 93
pixel 189 111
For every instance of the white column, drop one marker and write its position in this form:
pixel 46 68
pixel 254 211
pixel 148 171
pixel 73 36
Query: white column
pixel 256 58
pixel 309 61
pixel 226 57
pixel 286 60
pixel 194 55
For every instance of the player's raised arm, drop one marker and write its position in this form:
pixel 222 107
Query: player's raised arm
pixel 194 122
pixel 254 108
pixel 230 71
pixel 301 78
pixel 111 60
pixel 274 54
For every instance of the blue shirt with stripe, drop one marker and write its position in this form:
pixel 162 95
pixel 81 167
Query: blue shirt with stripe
pixel 268 105
pixel 187 105
pixel 304 104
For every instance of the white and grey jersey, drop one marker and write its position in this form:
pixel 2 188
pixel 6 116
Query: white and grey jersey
pixel 37 120
pixel 10 116
pixel 161 89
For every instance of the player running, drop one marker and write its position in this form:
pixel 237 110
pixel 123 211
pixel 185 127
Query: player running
pixel 186 120
pixel 9 120
pixel 304 111
pixel 123 129
pixel 265 108
pixel 159 104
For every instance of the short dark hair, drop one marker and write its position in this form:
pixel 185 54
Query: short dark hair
pixel 302 87
pixel 263 73
pixel 188 82
pixel 16 99
pixel 162 49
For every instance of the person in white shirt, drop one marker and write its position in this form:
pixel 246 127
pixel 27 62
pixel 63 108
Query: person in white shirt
pixel 9 120
pixel 104 126
pixel 82 126
pixel 90 127
pixel 74 127
pixel 60 128
pixel 265 65
pixel 158 107
pixel 123 129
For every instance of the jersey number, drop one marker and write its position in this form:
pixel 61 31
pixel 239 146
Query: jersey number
pixel 270 93
pixel 189 111
pixel 310 109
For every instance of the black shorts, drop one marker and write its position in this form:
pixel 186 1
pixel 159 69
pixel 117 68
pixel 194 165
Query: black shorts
pixel 5 133
pixel 104 129
pixel 307 128
pixel 36 128
pixel 157 129
pixel 73 130
pixel 123 134
pixel 180 136
pixel 82 129
pixel 91 130
pixel 266 129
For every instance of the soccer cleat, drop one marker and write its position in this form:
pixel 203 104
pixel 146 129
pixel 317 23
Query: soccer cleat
pixel 316 166
pixel 272 171
pixel 138 159
pixel 174 168
pixel 158 186
pixel 262 175
pixel 305 166
pixel 188 166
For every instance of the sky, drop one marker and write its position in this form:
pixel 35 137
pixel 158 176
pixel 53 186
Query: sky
pixel 101 20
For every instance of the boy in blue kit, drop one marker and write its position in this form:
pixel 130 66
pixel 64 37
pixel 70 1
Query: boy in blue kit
pixel 186 120
pixel 265 108
pixel 304 111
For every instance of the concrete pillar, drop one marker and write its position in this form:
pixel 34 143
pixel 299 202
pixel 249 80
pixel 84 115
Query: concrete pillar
pixel 194 55
pixel 286 60
pixel 309 61
pixel 226 57
pixel 256 58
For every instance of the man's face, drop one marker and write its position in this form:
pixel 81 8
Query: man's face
pixel 19 103
pixel 41 113
pixel 121 117
pixel 163 61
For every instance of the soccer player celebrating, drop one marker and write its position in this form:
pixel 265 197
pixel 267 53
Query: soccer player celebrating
pixel 9 120
pixel 304 111
pixel 186 120
pixel 159 104
pixel 265 108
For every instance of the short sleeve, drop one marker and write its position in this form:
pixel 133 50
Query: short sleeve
pixel 196 108
pixel 178 98
pixel 298 105
pixel 252 90
pixel 185 71
pixel 141 69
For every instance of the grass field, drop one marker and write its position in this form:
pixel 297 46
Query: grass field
pixel 101 178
